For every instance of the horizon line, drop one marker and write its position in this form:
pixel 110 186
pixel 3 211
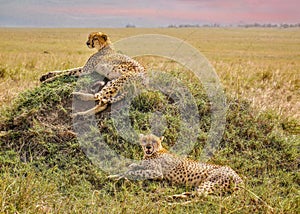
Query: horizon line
pixel 212 25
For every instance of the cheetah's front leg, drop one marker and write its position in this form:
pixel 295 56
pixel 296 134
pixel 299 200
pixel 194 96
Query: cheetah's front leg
pixel 103 102
pixel 144 174
pixel 137 171
pixel 117 177
pixel 182 195
pixel 92 111
pixel 91 97
pixel 85 96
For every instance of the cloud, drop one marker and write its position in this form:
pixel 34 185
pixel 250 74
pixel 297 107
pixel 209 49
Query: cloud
pixel 233 11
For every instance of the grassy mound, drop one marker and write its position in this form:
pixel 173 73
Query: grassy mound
pixel 43 168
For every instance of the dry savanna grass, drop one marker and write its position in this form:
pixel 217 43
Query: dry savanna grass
pixel 261 65
pixel 43 167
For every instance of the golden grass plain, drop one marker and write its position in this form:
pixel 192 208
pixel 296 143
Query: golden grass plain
pixel 44 170
pixel 260 65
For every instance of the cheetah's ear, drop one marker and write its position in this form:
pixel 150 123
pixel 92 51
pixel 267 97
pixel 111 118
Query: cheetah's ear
pixel 161 138
pixel 104 36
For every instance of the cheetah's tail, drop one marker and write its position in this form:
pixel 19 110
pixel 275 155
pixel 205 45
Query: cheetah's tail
pixel 52 75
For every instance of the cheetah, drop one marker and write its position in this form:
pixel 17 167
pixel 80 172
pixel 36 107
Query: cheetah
pixel 158 163
pixel 118 68
pixel 105 61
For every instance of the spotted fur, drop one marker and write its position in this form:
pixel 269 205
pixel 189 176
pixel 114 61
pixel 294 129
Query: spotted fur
pixel 109 94
pixel 105 61
pixel 116 67
pixel 158 163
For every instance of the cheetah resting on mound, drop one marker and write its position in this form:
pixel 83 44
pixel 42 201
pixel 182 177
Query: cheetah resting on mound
pixel 105 61
pixel 116 67
pixel 158 163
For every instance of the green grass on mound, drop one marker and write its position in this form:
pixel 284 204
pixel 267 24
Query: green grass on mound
pixel 44 170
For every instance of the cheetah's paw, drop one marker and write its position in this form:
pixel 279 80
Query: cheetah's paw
pixel 117 177
pixel 181 196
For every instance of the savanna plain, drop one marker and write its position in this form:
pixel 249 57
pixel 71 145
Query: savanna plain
pixel 44 170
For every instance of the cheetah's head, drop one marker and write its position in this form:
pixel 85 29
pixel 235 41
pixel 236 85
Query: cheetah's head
pixel 151 144
pixel 98 40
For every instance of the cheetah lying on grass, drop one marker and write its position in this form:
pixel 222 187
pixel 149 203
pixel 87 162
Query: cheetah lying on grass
pixel 158 163
pixel 118 68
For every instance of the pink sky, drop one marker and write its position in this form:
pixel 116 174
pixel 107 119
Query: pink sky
pixel 145 13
